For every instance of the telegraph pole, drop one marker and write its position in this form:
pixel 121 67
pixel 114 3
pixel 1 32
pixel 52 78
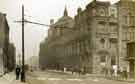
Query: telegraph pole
pixel 23 64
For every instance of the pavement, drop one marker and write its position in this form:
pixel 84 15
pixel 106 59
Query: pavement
pixel 58 77
pixel 10 78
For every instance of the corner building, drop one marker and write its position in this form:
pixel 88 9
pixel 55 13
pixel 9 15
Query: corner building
pixel 102 25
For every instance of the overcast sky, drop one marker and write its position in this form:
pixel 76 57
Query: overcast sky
pixel 40 11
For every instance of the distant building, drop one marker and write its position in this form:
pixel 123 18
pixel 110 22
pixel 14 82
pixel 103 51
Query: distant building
pixel 33 62
pixel 42 58
pixel 95 39
pixel 12 57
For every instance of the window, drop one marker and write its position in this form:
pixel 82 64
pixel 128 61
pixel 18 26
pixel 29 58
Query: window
pixel 101 28
pixel 94 12
pixel 128 36
pixel 113 12
pixel 112 15
pixel 124 36
pixel 113 28
pixel 113 60
pixel 128 20
pixel 102 41
pixel 102 58
pixel 102 12
pixel 125 19
pixel 113 43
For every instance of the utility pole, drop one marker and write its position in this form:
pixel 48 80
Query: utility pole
pixel 23 64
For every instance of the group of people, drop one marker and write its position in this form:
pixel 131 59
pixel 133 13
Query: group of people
pixel 121 73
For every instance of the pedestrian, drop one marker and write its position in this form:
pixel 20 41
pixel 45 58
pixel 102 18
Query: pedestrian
pixel 17 72
pixel 65 69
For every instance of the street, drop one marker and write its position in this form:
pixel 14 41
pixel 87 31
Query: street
pixel 52 77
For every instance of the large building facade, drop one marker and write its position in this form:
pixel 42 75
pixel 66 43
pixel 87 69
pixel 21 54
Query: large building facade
pixel 94 40
pixel 126 18
pixel 4 41
pixel 5 47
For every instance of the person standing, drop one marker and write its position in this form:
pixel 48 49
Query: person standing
pixel 17 72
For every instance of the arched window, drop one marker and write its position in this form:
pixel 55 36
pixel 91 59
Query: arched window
pixel 102 12
pixel 102 58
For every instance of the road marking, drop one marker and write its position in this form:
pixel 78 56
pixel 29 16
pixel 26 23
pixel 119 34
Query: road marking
pixel 41 78
pixel 74 79
pixel 54 79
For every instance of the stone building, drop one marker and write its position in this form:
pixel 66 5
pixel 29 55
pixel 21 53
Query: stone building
pixel 126 18
pixel 59 36
pixel 94 40
pixel 7 49
pixel 100 45
pixel 4 42
pixel 103 27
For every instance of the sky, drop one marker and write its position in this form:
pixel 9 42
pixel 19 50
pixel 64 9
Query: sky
pixel 38 11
